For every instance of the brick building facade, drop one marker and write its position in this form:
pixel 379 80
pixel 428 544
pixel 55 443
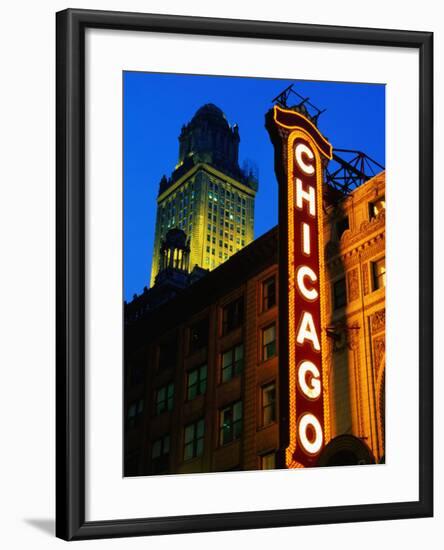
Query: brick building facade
pixel 202 368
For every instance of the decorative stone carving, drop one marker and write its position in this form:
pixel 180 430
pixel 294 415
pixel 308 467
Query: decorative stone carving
pixel 378 352
pixel 353 285
pixel 378 321
pixel 365 278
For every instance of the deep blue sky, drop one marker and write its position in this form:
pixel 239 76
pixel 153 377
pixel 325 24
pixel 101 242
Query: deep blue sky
pixel 155 106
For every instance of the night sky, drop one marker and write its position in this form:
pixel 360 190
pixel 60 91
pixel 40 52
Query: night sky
pixel 155 106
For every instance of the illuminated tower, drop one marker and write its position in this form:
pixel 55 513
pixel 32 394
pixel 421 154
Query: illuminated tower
pixel 208 195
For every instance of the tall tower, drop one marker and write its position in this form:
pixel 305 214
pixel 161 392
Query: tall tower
pixel 208 195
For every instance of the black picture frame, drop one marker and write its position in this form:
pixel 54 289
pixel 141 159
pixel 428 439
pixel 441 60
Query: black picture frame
pixel 70 276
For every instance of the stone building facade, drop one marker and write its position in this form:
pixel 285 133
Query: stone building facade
pixel 355 263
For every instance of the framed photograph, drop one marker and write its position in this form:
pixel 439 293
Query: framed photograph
pixel 244 274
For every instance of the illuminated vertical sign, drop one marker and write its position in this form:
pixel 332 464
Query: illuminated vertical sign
pixel 299 148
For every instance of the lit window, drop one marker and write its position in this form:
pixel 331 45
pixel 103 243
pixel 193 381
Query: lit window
pixel 268 404
pixel 268 342
pixel 232 362
pixel 378 272
pixel 164 398
pixel 268 293
pixel 376 207
pixel 194 440
pixel 230 424
pixel 339 293
pixel 268 461
pixel 196 382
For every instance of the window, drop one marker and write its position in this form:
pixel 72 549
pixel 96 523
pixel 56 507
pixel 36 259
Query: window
pixel 168 353
pixel 268 293
pixel 196 382
pixel 134 414
pixel 376 207
pixel 268 461
pixel 230 423
pixel 339 293
pixel 378 272
pixel 232 362
pixel 164 398
pixel 341 226
pixel 194 440
pixel 268 342
pixel 199 335
pixel 160 453
pixel 268 404
pixel 232 315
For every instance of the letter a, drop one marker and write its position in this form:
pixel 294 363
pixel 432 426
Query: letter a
pixel 307 331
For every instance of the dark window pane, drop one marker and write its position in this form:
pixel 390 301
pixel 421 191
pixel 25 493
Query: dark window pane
pixel 268 293
pixel 194 440
pixel 339 293
pixel 160 450
pixel 230 423
pixel 268 404
pixel 168 353
pixel 269 342
pixel 341 226
pixel 199 335
pixel 196 382
pixel 165 398
pixel 232 315
pixel 232 362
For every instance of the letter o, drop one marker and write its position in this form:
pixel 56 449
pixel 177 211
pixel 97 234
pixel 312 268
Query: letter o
pixel 311 447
